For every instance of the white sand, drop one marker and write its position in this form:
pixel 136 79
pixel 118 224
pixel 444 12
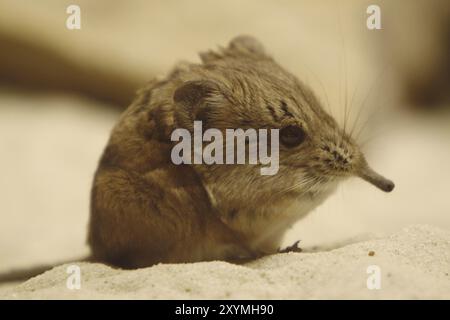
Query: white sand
pixel 414 263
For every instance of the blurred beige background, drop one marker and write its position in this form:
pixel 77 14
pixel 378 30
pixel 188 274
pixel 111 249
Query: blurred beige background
pixel 62 90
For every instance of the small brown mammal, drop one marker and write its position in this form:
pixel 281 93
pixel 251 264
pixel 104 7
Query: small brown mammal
pixel 146 210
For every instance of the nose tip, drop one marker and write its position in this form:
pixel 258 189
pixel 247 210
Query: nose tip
pixel 389 186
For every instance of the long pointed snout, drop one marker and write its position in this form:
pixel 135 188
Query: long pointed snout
pixel 376 179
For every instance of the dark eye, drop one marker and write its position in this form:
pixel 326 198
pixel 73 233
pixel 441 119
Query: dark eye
pixel 292 136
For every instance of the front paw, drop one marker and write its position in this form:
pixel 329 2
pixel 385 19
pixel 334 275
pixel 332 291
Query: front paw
pixel 292 248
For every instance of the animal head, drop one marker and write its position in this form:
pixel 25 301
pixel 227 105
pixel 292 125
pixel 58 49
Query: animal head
pixel 241 86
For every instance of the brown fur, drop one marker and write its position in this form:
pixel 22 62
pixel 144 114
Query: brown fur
pixel 145 209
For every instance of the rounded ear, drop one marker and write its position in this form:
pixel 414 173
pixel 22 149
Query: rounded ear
pixel 248 45
pixel 192 99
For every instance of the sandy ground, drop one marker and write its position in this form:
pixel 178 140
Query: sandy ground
pixel 413 263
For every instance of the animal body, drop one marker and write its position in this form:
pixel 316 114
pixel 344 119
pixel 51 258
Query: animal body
pixel 147 210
